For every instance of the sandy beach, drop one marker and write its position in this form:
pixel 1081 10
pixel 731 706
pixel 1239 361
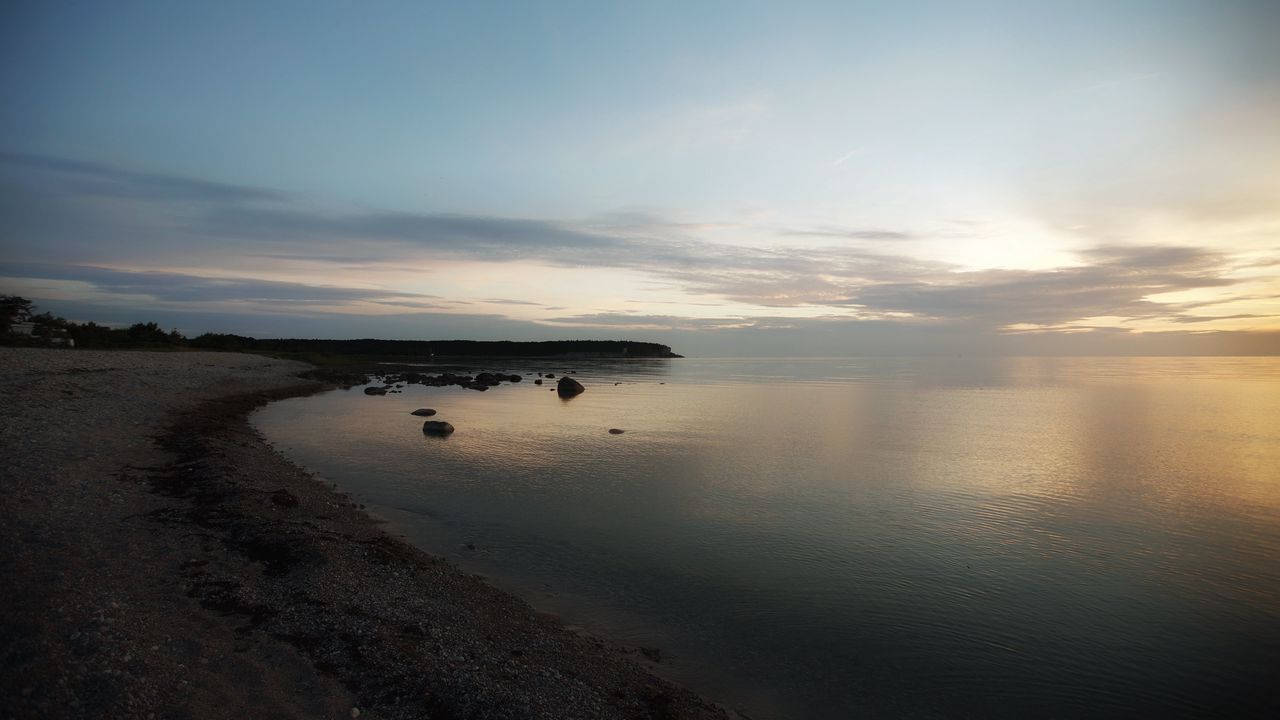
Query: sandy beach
pixel 164 562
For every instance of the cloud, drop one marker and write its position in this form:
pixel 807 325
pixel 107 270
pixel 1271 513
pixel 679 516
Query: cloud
pixel 852 233
pixel 1214 318
pixel 104 180
pixel 504 301
pixel 1117 283
pixel 657 322
pixel 847 156
pixel 106 214
pixel 418 305
pixel 184 288
pixel 154 219
pixel 466 235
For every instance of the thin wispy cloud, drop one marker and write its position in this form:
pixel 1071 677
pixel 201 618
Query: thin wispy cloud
pixel 507 301
pixel 851 233
pixel 1121 82
pixel 89 178
pixel 170 287
pixel 847 157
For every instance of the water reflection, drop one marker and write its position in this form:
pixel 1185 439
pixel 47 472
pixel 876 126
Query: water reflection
pixel 814 538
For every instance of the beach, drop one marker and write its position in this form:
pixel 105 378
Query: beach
pixel 164 561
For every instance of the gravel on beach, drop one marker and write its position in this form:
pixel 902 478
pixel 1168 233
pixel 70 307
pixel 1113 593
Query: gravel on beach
pixel 162 561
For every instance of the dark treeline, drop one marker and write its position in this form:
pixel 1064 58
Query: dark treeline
pixel 20 325
pixel 438 348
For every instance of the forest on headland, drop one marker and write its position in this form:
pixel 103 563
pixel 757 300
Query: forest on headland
pixel 21 325
pixel 438 348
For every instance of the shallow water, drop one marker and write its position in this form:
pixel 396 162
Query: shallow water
pixel 1027 537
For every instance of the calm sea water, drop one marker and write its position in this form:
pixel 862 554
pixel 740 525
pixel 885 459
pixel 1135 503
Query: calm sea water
pixel 1028 537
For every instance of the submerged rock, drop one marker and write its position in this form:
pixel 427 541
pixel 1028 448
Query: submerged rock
pixel 567 387
pixel 423 412
pixel 375 391
pixel 436 427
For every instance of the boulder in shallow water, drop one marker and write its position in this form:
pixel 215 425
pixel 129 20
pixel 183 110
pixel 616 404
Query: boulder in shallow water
pixel 375 391
pixel 567 387
pixel 538 381
pixel 423 412
pixel 436 427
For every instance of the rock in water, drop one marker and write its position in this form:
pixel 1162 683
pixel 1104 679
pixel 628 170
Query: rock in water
pixel 538 381
pixel 423 412
pixel 567 387
pixel 616 431
pixel 375 391
pixel 436 427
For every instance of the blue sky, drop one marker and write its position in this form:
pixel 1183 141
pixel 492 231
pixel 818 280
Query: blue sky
pixel 668 171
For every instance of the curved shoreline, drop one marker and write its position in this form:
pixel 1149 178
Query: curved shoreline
pixel 211 576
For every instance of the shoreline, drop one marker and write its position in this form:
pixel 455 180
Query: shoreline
pixel 230 580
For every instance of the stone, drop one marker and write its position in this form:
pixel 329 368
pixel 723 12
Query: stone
pixel 423 412
pixel 436 427
pixel 567 387
pixel 616 431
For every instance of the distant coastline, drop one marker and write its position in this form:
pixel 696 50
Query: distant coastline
pixel 22 326
pixel 439 348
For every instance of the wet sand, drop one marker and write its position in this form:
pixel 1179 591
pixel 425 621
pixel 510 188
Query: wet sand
pixel 163 561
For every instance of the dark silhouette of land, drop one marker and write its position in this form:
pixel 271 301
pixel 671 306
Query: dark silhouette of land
pixel 21 325
pixel 438 348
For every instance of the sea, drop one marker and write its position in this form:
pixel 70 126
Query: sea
pixel 860 537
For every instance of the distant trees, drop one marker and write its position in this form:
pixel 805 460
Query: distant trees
pixel 222 341
pixel 152 334
pixel 20 325
pixel 436 348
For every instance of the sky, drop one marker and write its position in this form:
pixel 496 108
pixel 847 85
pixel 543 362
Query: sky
pixel 729 178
